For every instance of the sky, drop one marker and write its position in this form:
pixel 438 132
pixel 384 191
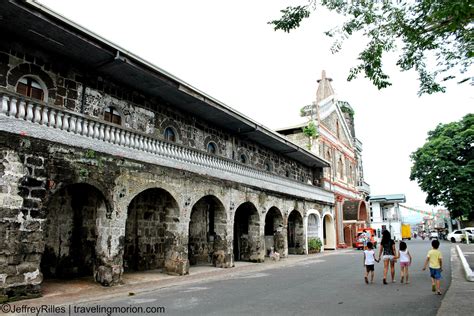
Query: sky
pixel 227 50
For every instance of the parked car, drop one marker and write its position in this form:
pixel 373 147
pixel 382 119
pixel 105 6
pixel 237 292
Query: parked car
pixel 434 235
pixel 469 233
pixel 458 235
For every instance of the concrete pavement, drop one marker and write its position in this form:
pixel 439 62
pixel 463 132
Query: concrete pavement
pixel 457 300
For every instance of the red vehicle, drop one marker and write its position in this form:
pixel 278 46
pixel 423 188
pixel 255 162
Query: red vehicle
pixel 359 240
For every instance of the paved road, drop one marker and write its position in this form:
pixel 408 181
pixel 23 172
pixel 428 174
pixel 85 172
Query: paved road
pixel 326 285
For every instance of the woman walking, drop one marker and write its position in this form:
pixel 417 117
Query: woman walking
pixel 388 249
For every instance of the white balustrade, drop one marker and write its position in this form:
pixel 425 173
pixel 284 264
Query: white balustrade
pixel 59 120
pixel 21 109
pixel 44 115
pixel 13 108
pixel 37 113
pixel 79 126
pixel 4 105
pixel 52 118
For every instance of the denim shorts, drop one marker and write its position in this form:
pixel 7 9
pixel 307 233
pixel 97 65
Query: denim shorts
pixel 435 273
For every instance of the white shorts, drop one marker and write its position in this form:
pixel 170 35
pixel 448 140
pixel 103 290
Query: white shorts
pixel 388 257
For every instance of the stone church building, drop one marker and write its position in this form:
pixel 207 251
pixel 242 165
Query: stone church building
pixel 335 140
pixel 109 164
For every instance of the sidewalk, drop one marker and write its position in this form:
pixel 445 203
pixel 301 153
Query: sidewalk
pixel 458 300
pixel 74 292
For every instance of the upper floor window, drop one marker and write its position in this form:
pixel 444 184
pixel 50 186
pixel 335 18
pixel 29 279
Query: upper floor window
pixel 112 115
pixel 31 88
pixel 351 174
pixel 170 135
pixel 340 169
pixel 211 148
pixel 243 158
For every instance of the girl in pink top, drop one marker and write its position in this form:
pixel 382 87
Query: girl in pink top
pixel 405 261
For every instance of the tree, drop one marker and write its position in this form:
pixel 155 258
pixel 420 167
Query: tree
pixel 428 31
pixel 444 167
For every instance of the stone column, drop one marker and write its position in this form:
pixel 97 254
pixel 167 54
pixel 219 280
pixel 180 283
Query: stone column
pixel 21 242
pixel 108 268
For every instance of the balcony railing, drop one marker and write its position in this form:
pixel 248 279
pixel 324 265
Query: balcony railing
pixel 365 188
pixel 50 123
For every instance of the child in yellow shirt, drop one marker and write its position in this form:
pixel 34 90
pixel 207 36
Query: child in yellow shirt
pixel 435 259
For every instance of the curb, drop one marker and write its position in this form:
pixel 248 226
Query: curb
pixel 467 269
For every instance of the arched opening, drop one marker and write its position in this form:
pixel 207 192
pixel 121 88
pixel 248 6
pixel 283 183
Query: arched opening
pixel 150 230
pixel 295 231
pixel 274 232
pixel 329 232
pixel 212 148
pixel 112 115
pixel 340 169
pixel 363 213
pixel 348 235
pixel 31 88
pixel 313 226
pixel 70 232
pixel 247 239
pixel 207 230
pixel 170 135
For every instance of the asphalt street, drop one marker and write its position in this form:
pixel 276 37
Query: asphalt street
pixel 332 284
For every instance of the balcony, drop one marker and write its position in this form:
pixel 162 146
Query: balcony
pixel 42 121
pixel 364 188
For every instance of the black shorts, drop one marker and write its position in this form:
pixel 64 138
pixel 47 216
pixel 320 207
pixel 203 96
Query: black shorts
pixel 369 267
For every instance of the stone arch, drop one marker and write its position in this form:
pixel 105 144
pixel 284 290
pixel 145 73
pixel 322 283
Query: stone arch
pixel 363 215
pixel 247 241
pixel 34 71
pixel 274 231
pixel 348 239
pixel 208 232
pixel 295 233
pixel 313 226
pixel 329 232
pixel 70 233
pixel 216 140
pixel 152 237
pixel 174 126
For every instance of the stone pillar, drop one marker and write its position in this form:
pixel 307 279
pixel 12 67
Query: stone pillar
pixel 21 242
pixel 176 254
pixel 222 256
pixel 108 267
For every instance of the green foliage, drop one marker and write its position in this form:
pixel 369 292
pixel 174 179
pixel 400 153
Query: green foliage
pixel 441 30
pixel 348 110
pixel 314 243
pixel 310 130
pixel 444 167
pixel 90 154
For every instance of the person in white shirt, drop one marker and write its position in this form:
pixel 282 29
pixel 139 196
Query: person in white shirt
pixel 369 263
pixel 405 261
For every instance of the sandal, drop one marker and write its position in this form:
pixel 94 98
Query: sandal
pixel 438 293
pixel 366 280
pixel 384 281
